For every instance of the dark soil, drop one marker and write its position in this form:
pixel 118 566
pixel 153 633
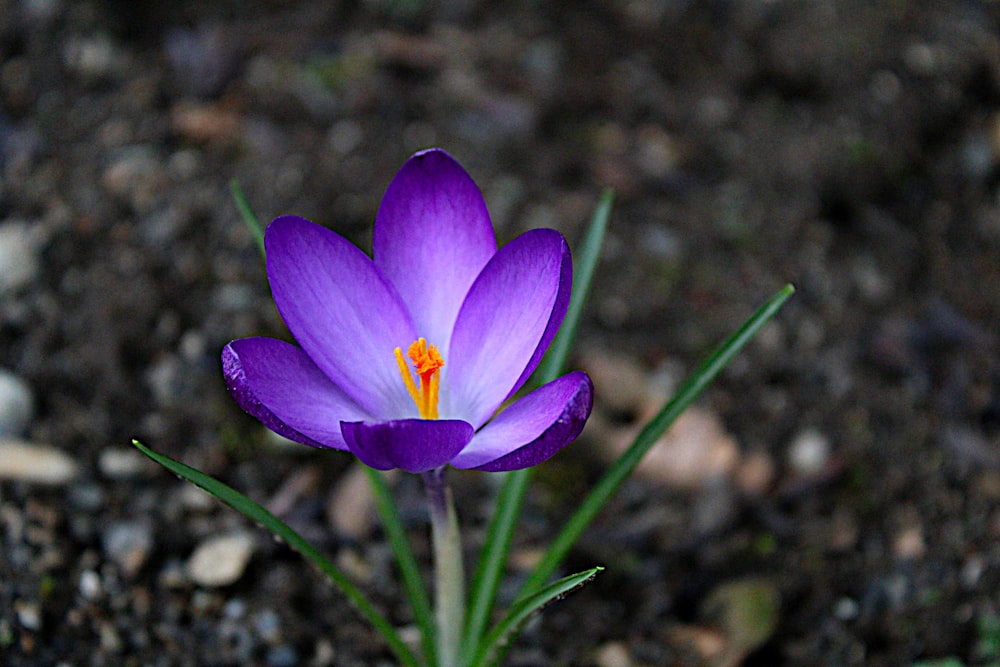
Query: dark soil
pixel 850 148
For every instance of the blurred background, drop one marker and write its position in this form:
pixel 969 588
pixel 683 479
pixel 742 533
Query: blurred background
pixel 831 500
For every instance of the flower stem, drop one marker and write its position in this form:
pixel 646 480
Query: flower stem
pixel 449 573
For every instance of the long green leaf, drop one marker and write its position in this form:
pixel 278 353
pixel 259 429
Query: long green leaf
pixel 407 563
pixel 500 531
pixel 624 466
pixel 492 558
pixel 583 274
pixel 521 611
pixel 256 513
pixel 249 217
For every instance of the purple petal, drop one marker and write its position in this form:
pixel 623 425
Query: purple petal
pixel 415 445
pixel 532 429
pixel 346 316
pixel 432 237
pixel 555 319
pixel 279 385
pixel 513 309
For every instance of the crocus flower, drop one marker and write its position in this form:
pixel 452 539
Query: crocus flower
pixel 406 359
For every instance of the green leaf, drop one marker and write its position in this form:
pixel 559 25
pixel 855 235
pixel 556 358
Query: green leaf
pixel 500 531
pixel 407 563
pixel 249 217
pixel 623 467
pixel 583 274
pixel 279 528
pixel 521 611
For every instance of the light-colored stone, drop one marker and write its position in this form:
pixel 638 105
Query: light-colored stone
pixel 39 464
pixel 695 450
pixel 908 543
pixel 221 560
pixel 29 614
pixel 90 585
pixel 613 654
pixel 17 404
pixel 621 383
pixel 128 544
pixel 808 452
pixel 20 245
pixel 351 506
pixel 120 463
pixel 756 473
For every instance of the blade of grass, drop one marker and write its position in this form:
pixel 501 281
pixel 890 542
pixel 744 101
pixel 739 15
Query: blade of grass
pixel 407 563
pixel 492 557
pixel 624 466
pixel 500 531
pixel 280 529
pixel 251 220
pixel 521 611
pixel 583 274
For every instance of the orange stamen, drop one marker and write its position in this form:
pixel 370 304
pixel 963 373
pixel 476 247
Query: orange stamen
pixel 427 363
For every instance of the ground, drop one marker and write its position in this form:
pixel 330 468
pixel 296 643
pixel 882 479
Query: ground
pixel 850 148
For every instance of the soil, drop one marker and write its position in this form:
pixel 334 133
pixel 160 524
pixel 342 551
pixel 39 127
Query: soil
pixel 850 148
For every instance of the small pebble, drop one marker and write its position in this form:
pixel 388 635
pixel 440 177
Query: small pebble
pixel 221 560
pixel 17 403
pixel 121 463
pixel 909 544
pixel 136 176
pixel 128 544
pixel 268 625
pixel 202 59
pixel 42 11
pixel 172 575
pixel 235 609
pixel 695 451
pixel 351 506
pixel 755 474
pixel 86 496
pixel 90 585
pixel 972 571
pixel 325 653
pixel 846 609
pixel 28 462
pixel 28 615
pixel 92 57
pixel 19 255
pixel 194 499
pixel 282 656
pixel 808 452
pixel 111 641
pixel 620 382
pixel 613 654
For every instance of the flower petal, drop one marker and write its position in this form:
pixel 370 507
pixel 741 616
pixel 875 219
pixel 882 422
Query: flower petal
pixel 432 237
pixel 533 428
pixel 511 314
pixel 279 385
pixel 346 316
pixel 415 445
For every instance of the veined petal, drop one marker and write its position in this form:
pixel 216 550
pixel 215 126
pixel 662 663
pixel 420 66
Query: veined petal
pixel 432 237
pixel 346 316
pixel 532 429
pixel 415 445
pixel 515 306
pixel 279 384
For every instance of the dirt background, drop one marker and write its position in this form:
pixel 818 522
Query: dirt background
pixel 841 478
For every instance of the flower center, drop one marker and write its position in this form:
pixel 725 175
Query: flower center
pixel 427 363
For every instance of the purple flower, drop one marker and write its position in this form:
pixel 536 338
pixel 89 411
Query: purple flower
pixel 406 359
